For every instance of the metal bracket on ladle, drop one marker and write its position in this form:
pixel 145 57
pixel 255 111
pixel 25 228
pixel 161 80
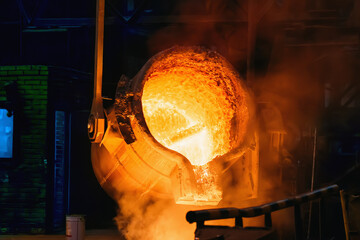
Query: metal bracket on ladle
pixel 96 121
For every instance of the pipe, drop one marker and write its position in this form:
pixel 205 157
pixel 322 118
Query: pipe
pixel 312 181
pixel 345 216
pixel 99 48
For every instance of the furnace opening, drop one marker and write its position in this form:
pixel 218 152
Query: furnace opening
pixel 192 105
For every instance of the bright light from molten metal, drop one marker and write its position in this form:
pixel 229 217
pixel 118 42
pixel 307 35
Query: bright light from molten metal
pixel 189 107
pixel 189 102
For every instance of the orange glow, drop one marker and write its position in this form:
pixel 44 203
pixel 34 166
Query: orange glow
pixel 189 104
pixel 194 104
pixel 209 193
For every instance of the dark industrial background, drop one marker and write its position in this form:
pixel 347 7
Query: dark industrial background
pixel 311 49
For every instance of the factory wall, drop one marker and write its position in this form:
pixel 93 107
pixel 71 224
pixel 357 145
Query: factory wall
pixel 23 177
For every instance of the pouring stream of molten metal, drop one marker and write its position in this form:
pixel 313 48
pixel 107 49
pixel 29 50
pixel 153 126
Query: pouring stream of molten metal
pixel 189 105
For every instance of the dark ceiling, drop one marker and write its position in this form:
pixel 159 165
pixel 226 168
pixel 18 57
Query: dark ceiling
pixel 61 33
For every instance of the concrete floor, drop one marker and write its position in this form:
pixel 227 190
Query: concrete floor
pixel 89 235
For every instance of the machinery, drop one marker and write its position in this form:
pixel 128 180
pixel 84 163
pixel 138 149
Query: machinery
pixel 176 128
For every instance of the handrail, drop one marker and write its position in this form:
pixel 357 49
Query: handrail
pixel 223 213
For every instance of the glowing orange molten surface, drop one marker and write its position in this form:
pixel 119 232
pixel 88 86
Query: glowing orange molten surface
pixel 189 103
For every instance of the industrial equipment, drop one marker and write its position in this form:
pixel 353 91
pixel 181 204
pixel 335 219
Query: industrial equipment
pixel 176 128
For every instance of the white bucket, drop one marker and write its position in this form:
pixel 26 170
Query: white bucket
pixel 75 227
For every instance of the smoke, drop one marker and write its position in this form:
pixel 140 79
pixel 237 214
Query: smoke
pixel 152 219
pixel 287 77
pixel 207 24
pixel 290 77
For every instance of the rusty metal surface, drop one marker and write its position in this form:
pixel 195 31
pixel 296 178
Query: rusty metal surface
pixel 123 111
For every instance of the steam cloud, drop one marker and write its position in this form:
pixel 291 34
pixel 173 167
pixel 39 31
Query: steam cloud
pixel 293 81
pixel 153 219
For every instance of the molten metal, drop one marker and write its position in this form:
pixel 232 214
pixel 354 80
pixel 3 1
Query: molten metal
pixel 175 128
pixel 189 103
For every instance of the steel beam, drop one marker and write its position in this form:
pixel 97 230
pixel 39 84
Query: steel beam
pixel 96 122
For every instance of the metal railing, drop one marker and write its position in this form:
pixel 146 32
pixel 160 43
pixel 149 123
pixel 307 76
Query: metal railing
pixel 266 209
